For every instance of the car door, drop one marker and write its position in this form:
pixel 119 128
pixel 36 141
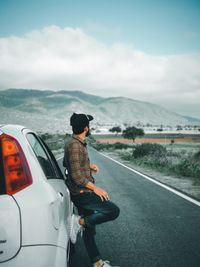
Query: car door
pixel 61 207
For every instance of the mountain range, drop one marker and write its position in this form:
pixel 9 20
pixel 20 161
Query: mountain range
pixel 49 111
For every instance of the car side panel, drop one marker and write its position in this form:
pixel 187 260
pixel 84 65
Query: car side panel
pixel 10 228
pixel 64 211
pixel 39 256
pixel 37 214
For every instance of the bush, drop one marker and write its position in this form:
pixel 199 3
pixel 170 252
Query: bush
pixel 182 168
pixel 119 145
pixel 106 146
pixel 149 149
pixel 126 155
pixel 197 155
pixel 159 158
pixel 101 146
pixel 189 167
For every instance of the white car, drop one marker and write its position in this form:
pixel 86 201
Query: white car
pixel 35 206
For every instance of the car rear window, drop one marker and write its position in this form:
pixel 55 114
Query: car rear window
pixel 45 158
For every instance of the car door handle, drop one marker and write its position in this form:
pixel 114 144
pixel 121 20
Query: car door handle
pixel 60 195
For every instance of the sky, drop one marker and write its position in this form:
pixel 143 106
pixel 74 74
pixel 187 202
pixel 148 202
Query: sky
pixel 145 50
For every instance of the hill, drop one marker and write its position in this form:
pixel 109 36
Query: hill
pixel 50 110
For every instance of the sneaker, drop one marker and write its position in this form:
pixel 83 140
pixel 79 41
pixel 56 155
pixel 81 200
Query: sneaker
pixel 75 228
pixel 106 264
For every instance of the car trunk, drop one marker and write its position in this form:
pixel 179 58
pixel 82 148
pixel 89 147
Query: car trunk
pixel 10 228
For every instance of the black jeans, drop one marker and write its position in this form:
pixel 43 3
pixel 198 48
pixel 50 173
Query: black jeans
pixel 94 211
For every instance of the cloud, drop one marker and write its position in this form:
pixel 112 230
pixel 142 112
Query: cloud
pixel 56 58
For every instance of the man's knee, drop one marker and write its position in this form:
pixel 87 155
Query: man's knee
pixel 114 212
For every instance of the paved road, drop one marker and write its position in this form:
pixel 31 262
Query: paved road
pixel 156 228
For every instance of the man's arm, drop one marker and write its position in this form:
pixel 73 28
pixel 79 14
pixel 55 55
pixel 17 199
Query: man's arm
pixel 98 191
pixel 94 168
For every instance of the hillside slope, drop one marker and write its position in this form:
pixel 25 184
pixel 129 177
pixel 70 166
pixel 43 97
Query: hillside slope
pixel 50 110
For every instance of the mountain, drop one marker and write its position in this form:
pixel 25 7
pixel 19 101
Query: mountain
pixel 192 120
pixel 50 110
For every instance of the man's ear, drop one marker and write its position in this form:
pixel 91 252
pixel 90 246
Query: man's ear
pixel 86 129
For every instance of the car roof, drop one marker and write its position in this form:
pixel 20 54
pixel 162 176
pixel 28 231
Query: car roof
pixel 11 127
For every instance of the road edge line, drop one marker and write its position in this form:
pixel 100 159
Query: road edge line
pixel 194 201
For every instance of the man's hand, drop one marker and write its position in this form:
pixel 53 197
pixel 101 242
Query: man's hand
pixel 101 193
pixel 98 191
pixel 94 168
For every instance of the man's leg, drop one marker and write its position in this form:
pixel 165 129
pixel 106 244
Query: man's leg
pixel 94 211
pixel 101 211
pixel 89 237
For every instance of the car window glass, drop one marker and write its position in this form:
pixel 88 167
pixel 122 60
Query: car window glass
pixel 42 156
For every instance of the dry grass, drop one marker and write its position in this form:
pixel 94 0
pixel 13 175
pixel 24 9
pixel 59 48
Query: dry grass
pixel 148 140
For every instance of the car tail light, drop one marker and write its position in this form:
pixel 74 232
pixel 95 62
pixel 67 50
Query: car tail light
pixel 16 170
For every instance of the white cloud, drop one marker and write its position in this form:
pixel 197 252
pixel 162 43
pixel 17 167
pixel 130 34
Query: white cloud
pixel 68 58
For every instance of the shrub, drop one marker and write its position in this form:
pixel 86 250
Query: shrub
pixel 149 149
pixel 126 155
pixel 196 171
pixel 197 155
pixel 106 146
pixel 188 168
pixel 182 168
pixel 101 146
pixel 119 145
pixel 157 157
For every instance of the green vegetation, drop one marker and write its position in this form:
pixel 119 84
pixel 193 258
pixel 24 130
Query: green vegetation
pixel 148 149
pixel 55 142
pixel 181 160
pixel 106 146
pixel 116 130
pixel 132 133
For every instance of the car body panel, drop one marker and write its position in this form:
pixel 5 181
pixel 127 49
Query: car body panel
pixel 10 224
pixel 38 256
pixel 44 210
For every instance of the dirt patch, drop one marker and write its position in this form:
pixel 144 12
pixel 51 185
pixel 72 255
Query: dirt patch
pixel 148 140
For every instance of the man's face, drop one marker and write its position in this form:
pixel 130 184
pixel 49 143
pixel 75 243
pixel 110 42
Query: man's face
pixel 88 131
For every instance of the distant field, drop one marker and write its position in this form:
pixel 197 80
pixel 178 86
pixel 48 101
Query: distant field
pixel 149 138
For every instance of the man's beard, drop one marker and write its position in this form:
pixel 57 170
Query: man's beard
pixel 88 132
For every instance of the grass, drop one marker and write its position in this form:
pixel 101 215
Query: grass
pixel 180 160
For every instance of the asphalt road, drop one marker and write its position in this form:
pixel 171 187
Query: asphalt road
pixel 156 228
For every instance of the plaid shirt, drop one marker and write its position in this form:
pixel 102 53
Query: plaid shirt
pixel 77 164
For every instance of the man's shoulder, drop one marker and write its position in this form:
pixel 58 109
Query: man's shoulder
pixel 73 142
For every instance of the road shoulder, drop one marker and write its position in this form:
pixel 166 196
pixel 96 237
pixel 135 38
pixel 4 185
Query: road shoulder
pixel 184 185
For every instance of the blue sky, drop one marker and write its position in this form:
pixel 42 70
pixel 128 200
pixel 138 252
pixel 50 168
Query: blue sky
pixel 145 50
pixel 153 26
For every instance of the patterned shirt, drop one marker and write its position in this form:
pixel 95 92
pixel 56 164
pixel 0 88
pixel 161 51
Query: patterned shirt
pixel 77 164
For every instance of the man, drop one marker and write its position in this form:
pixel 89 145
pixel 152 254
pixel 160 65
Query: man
pixel 92 202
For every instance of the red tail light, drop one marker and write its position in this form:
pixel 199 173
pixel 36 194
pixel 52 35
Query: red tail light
pixel 16 170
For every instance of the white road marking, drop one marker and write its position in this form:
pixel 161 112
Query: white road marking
pixel 156 182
